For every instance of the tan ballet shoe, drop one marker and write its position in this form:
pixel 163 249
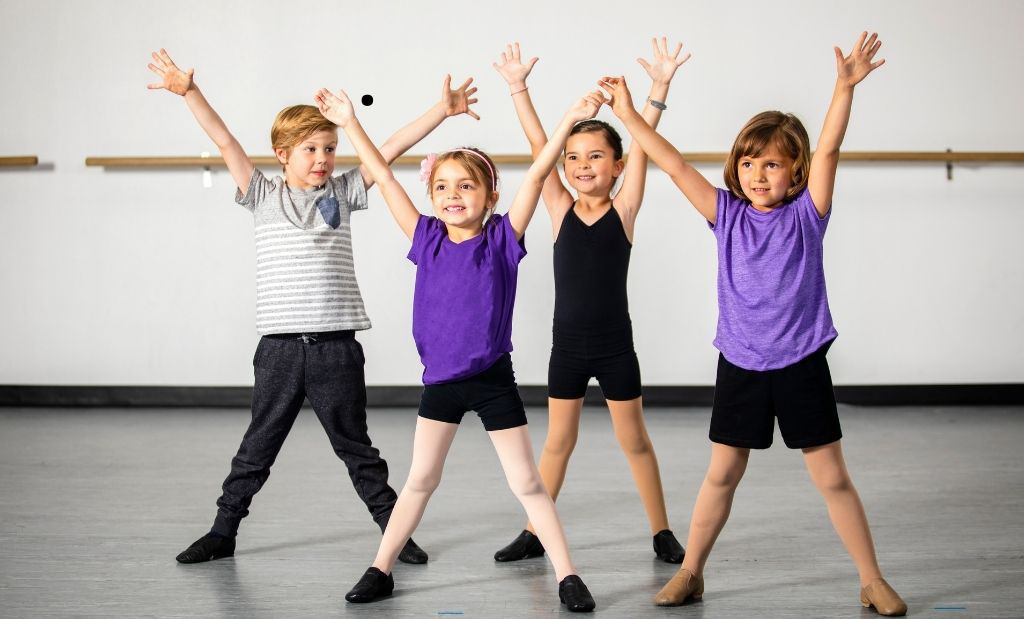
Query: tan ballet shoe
pixel 881 596
pixel 684 586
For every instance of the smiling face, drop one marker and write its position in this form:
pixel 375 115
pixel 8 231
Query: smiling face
pixel 590 164
pixel 460 199
pixel 310 163
pixel 766 178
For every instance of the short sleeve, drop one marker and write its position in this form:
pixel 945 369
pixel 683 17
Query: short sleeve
pixel 350 190
pixel 723 210
pixel 808 212
pixel 426 237
pixel 502 236
pixel 259 188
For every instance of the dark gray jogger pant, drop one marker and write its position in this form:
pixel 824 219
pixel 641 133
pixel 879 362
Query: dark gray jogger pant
pixel 327 368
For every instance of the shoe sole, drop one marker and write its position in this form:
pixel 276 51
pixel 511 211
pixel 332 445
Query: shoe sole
pixel 373 599
pixel 213 558
pixel 584 610
pixel 529 555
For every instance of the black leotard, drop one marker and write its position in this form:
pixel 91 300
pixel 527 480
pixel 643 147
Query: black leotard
pixel 591 264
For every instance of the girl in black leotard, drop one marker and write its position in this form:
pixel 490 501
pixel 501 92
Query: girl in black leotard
pixel 592 334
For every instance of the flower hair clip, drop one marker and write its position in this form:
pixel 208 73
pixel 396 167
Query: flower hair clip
pixel 427 166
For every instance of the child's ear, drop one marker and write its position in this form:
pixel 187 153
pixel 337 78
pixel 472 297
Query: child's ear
pixel 494 199
pixel 619 166
pixel 282 154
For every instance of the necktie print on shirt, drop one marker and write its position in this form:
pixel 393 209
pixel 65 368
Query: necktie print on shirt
pixel 329 209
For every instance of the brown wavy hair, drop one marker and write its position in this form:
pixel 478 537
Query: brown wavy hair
pixel 767 129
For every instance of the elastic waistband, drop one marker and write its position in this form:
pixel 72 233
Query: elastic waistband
pixel 314 336
pixel 575 329
pixel 596 343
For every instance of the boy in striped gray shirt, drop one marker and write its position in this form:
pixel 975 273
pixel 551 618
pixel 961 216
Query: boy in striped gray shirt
pixel 308 305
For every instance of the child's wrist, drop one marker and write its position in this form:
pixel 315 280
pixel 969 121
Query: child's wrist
pixel 517 87
pixel 843 84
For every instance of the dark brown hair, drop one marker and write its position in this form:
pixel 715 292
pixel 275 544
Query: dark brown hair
pixel 610 134
pixel 767 129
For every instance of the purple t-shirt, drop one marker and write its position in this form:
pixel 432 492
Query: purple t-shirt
pixel 772 306
pixel 465 292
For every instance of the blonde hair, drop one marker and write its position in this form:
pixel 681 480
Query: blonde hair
pixel 778 129
pixel 296 123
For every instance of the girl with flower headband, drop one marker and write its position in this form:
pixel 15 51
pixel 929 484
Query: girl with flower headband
pixel 774 324
pixel 592 334
pixel 462 324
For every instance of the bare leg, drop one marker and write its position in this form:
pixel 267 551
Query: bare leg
pixel 628 422
pixel 714 501
pixel 563 430
pixel 829 474
pixel 430 448
pixel 516 455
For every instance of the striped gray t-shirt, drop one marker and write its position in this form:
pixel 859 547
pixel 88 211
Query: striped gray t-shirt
pixel 305 277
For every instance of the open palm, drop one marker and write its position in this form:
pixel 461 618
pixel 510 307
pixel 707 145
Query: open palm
pixel 512 67
pixel 172 78
pixel 664 65
pixel 336 108
pixel 458 101
pixel 855 67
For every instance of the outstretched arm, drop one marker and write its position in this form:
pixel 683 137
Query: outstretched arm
pixel 525 202
pixel 694 186
pixel 180 83
pixel 634 178
pixel 850 71
pixel 452 103
pixel 337 108
pixel 557 198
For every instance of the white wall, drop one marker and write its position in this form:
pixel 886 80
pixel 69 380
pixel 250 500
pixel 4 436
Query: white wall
pixel 117 277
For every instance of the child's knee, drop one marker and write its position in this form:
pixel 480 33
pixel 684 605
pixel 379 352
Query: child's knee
pixel 526 486
pixel 635 444
pixel 725 478
pixel 560 444
pixel 423 484
pixel 833 482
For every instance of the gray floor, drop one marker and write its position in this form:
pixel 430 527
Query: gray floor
pixel 95 504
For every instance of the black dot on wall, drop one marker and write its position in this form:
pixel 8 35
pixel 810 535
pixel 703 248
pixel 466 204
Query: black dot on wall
pixel 367 99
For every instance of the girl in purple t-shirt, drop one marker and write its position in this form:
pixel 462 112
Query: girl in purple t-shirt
pixel 467 260
pixel 774 325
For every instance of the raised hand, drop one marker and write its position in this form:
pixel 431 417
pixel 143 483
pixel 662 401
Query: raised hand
pixel 336 108
pixel 172 78
pixel 620 100
pixel 664 65
pixel 586 107
pixel 512 67
pixel 855 67
pixel 458 101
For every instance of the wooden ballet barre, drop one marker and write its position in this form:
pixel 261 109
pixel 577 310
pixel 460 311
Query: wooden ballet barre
pixel 19 162
pixel 947 157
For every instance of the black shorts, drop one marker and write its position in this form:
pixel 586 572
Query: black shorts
pixel 492 394
pixel 609 357
pixel 800 395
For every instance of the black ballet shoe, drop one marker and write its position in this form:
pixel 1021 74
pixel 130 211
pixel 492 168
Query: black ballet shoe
pixel 526 546
pixel 668 548
pixel 374 585
pixel 575 595
pixel 411 553
pixel 207 548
